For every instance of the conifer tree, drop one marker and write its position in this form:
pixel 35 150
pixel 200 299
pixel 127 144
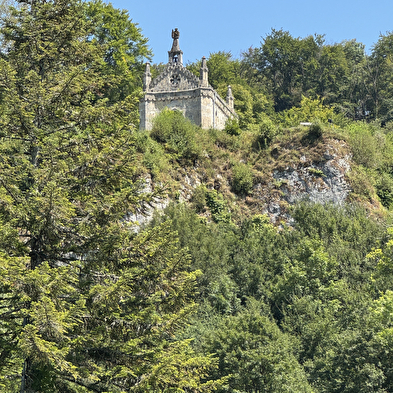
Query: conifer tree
pixel 85 304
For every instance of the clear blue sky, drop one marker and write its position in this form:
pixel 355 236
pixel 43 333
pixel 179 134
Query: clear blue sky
pixel 217 25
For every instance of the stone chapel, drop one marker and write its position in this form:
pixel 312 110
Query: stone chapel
pixel 177 88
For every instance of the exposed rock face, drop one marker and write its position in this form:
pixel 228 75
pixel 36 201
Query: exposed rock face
pixel 320 182
pixel 319 176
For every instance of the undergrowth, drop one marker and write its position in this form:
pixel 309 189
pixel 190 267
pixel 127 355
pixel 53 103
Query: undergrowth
pixel 230 164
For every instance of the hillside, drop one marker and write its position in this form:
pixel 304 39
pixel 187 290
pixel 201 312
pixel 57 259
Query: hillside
pixel 256 258
pixel 307 163
pixel 291 242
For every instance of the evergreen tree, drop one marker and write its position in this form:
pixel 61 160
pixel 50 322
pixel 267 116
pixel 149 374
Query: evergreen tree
pixel 86 305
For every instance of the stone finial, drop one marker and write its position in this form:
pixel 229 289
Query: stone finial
pixel 175 54
pixel 230 100
pixel 146 78
pixel 203 74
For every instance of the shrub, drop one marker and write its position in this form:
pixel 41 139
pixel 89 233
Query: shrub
pixel 199 198
pixel 218 206
pixel 363 145
pixel 384 186
pixel 316 172
pixel 309 111
pixel 370 146
pixel 176 132
pixel 232 127
pixel 242 180
pixel 154 157
pixel 361 181
pixel 315 131
pixel 266 132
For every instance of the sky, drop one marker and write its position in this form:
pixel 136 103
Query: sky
pixel 234 26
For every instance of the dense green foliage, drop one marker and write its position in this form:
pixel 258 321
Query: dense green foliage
pixel 86 305
pixel 310 291
pixel 125 48
pixel 319 290
pixel 277 75
pixel 210 295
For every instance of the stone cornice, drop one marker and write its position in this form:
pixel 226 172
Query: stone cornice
pixel 206 92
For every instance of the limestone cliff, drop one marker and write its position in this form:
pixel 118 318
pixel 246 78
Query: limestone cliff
pixel 289 171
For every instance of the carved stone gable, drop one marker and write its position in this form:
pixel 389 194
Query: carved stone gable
pixel 174 78
pixel 177 88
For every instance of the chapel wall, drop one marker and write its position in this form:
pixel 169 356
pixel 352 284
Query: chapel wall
pixel 176 88
pixel 187 102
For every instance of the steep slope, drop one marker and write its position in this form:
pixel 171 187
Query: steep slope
pixel 244 178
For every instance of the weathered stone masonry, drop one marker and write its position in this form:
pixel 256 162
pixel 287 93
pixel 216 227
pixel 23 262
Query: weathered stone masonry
pixel 177 88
